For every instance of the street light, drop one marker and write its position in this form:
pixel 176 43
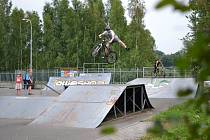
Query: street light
pixel 30 67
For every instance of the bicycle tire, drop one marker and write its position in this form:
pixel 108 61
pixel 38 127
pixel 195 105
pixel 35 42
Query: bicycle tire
pixel 95 51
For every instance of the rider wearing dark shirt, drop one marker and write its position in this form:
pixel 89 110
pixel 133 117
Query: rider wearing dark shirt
pixel 158 64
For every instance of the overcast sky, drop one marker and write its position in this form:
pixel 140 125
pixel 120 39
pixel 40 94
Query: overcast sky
pixel 165 25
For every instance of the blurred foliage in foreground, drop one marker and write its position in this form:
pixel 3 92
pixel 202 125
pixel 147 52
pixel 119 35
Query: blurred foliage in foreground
pixel 191 119
pixel 180 122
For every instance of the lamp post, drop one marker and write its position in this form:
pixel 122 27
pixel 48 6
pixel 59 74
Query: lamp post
pixel 30 66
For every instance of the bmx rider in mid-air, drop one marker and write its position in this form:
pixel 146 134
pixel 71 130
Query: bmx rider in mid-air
pixel 112 37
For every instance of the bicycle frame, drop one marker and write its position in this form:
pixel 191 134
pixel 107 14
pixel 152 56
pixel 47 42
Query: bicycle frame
pixel 108 54
pixel 104 47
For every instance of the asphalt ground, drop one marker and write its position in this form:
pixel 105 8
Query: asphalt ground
pixel 131 127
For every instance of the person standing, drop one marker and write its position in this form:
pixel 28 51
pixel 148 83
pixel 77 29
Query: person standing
pixel 18 84
pixel 25 80
pixel 28 83
pixel 30 86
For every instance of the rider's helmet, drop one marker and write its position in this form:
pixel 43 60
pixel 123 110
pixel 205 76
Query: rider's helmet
pixel 107 28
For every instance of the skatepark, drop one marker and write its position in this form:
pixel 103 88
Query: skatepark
pixel 80 106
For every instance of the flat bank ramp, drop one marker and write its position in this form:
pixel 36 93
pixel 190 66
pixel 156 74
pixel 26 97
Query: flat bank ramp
pixel 167 87
pixel 82 106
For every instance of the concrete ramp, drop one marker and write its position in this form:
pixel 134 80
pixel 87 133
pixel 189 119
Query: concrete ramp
pixel 59 83
pixel 24 107
pixel 81 106
pixel 87 106
pixel 166 87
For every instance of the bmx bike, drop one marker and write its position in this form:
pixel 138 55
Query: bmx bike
pixel 159 72
pixel 100 50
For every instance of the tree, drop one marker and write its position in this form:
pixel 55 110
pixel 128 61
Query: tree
pixel 5 32
pixel 197 58
pixel 139 38
pixel 93 25
pixel 67 34
pixel 117 21
pixel 15 41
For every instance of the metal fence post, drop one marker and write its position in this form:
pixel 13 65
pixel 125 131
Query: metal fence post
pixel 114 74
pixel 13 81
pixel 174 72
pixel 48 73
pixel 137 75
pixel 134 100
pixel 120 76
pixel 125 103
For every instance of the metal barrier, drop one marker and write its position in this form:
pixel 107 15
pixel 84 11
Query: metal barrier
pixel 166 72
pixel 119 76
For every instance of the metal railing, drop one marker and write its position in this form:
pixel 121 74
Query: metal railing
pixel 166 72
pixel 119 75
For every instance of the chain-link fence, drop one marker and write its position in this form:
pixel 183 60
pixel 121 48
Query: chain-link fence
pixel 119 76
pixel 166 72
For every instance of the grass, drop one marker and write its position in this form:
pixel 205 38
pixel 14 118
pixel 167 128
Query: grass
pixel 180 122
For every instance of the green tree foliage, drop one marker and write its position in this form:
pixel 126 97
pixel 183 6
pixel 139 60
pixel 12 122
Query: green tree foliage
pixel 139 38
pixel 15 38
pixel 169 60
pixel 5 11
pixel 68 33
pixel 197 57
pixel 117 21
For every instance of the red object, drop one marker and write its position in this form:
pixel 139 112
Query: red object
pixel 18 79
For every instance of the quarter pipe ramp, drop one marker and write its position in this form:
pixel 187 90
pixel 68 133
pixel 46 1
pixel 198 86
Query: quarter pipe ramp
pixel 166 87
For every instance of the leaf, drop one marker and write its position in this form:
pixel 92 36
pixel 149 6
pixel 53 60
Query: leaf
pixel 108 130
pixel 164 3
pixel 186 92
pixel 157 129
pixel 176 5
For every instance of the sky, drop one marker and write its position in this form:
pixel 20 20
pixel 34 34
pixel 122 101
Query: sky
pixel 166 26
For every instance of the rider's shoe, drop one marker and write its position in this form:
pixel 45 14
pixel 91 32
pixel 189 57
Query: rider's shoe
pixel 127 49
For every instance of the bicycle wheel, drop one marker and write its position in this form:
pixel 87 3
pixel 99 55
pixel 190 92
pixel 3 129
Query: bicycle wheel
pixel 112 57
pixel 95 51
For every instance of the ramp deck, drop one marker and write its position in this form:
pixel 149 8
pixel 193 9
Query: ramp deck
pixel 87 106
pixel 166 87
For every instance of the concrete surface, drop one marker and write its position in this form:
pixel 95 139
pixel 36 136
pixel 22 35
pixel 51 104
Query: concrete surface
pixel 130 127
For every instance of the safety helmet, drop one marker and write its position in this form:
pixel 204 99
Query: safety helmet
pixel 107 28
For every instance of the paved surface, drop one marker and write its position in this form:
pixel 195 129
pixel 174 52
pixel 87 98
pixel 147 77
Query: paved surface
pixel 129 128
pixel 82 106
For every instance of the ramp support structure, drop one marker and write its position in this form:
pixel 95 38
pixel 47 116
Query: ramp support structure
pixel 133 99
pixel 125 101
